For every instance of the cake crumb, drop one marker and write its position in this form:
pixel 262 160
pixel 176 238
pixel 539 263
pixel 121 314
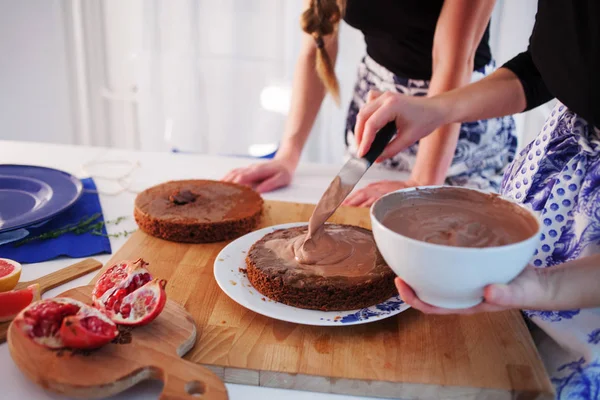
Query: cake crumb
pixel 233 283
pixel 243 270
pixel 83 352
pixel 263 299
pixel 337 318
pixel 251 292
pixel 124 336
pixel 220 259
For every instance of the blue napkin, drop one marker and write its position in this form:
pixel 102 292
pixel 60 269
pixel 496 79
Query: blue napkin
pixel 69 244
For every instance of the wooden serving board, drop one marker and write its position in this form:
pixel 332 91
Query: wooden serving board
pixel 408 356
pixel 53 280
pixel 153 353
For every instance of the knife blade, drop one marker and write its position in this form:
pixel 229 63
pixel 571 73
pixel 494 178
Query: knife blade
pixel 345 181
pixel 355 168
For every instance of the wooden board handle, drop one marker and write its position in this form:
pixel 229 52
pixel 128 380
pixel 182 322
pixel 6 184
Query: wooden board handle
pixel 183 379
pixel 64 275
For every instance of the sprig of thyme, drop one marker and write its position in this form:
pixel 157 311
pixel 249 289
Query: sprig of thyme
pixel 115 235
pixel 89 224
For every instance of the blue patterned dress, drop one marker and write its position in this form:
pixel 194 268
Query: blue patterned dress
pixel 484 147
pixel 558 176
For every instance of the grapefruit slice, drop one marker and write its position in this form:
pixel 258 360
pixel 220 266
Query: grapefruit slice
pixel 12 302
pixel 10 272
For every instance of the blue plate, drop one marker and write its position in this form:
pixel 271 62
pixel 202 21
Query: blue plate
pixel 30 195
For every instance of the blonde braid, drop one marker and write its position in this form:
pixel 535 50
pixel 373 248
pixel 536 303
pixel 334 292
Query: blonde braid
pixel 319 20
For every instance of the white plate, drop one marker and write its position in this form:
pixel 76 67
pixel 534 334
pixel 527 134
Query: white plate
pixel 237 286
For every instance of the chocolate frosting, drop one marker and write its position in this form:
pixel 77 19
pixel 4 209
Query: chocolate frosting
pixel 328 250
pixel 317 246
pixel 458 217
pixel 352 255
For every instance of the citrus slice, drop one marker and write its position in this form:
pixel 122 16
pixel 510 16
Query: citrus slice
pixel 10 272
pixel 12 302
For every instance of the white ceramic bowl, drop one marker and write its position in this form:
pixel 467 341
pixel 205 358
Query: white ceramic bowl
pixel 447 276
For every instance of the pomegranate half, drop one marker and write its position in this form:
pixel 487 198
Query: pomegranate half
pixel 129 295
pixel 63 322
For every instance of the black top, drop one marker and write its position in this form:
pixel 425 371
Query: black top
pixel 563 57
pixel 399 34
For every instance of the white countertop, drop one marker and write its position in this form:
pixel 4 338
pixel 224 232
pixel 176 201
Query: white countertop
pixel 309 183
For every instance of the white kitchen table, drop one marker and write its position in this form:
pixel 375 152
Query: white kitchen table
pixel 308 185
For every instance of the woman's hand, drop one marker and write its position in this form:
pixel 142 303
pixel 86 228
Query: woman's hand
pixel 568 286
pixel 366 196
pixel 527 288
pixel 263 177
pixel 415 118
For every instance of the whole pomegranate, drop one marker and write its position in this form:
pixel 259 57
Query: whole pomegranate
pixel 63 322
pixel 129 295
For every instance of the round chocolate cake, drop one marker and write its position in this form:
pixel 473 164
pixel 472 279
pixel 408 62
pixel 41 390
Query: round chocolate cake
pixel 346 271
pixel 198 211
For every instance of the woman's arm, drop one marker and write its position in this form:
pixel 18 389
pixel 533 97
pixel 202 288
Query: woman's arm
pixel 497 95
pixel 459 29
pixel 307 95
pixel 574 284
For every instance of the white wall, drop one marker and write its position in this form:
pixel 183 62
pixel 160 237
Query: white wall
pixel 34 82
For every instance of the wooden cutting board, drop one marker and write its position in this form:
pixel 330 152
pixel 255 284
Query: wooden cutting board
pixel 153 353
pixel 408 356
pixel 53 280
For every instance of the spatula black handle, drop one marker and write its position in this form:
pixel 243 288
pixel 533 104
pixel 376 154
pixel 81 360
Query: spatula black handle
pixel 382 138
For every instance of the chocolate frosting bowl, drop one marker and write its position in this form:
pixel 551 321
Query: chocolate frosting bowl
pixel 448 243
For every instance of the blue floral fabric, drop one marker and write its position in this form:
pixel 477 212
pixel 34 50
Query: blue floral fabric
pixel 558 176
pixel 484 148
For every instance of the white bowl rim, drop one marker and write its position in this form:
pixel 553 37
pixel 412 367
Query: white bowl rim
pixel 375 220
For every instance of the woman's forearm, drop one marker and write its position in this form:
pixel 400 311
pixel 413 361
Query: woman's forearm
pixel 436 150
pixel 458 31
pixel 572 285
pixel 307 96
pixel 576 283
pixel 497 95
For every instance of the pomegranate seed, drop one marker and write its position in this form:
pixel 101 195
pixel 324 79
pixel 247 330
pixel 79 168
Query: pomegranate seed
pixel 125 310
pixel 45 318
pixel 96 325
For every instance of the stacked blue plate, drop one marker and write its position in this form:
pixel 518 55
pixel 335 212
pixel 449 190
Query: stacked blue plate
pixel 31 195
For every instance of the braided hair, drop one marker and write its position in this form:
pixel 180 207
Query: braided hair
pixel 319 20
